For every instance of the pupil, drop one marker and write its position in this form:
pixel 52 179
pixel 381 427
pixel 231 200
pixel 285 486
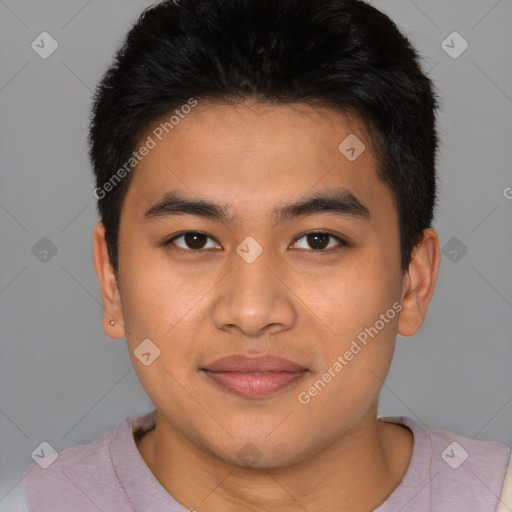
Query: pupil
pixel 193 240
pixel 313 240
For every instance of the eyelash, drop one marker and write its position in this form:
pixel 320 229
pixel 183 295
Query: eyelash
pixel 341 244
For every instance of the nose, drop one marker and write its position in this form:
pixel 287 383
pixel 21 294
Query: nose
pixel 253 298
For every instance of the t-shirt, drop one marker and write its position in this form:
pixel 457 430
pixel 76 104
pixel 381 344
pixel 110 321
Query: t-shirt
pixel 447 473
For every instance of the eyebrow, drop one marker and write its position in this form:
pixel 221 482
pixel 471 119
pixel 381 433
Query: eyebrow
pixel 337 201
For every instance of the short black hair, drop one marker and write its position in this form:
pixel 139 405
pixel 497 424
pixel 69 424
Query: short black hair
pixel 340 54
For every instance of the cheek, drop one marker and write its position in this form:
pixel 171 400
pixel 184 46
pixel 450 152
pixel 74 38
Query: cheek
pixel 355 297
pixel 157 298
pixel 167 308
pixel 360 308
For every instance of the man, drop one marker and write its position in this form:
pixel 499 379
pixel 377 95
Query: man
pixel 265 176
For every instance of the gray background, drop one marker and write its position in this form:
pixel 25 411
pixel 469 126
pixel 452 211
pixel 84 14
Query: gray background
pixel 63 381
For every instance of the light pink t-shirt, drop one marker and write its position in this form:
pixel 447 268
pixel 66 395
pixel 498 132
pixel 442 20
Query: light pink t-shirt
pixel 447 473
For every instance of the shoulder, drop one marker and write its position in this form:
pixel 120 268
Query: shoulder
pixel 82 477
pixel 506 491
pixel 456 472
pixel 452 451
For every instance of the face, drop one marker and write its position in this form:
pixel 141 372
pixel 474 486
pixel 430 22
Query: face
pixel 248 276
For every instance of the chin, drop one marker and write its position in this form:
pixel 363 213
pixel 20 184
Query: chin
pixel 258 452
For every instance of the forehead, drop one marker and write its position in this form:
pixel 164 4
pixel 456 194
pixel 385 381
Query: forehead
pixel 256 155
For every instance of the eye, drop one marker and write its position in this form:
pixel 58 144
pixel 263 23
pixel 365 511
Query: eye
pixel 193 240
pixel 320 240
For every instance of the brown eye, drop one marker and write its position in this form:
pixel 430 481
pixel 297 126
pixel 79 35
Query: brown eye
pixel 318 241
pixel 191 241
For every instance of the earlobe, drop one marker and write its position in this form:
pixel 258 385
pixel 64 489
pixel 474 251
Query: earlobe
pixel 419 283
pixel 113 323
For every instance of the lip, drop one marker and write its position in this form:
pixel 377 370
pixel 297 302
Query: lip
pixel 254 377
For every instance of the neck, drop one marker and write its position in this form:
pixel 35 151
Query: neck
pixel 360 469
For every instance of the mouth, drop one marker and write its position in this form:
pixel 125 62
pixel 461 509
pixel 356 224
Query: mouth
pixel 254 377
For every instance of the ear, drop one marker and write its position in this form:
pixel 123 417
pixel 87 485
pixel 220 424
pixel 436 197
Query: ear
pixel 419 283
pixel 112 309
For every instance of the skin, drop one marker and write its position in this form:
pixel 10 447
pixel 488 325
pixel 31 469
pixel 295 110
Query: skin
pixel 293 301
